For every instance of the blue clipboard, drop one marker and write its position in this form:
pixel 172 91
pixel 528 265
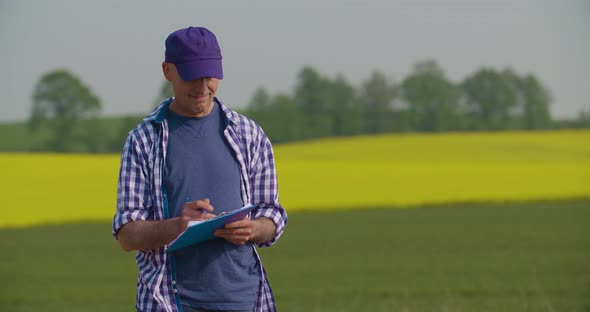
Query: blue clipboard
pixel 201 231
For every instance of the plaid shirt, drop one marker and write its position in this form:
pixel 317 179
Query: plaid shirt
pixel 141 196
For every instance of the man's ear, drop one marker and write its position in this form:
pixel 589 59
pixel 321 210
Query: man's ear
pixel 166 70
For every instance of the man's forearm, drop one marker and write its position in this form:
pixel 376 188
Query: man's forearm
pixel 144 235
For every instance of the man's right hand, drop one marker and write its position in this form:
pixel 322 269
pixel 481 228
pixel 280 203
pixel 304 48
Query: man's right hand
pixel 144 235
pixel 197 210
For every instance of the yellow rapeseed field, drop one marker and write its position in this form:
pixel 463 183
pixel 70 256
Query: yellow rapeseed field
pixel 373 171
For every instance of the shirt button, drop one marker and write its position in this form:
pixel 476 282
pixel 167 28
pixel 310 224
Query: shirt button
pixel 175 291
pixel 173 282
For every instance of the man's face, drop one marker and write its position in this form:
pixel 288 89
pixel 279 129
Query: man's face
pixel 191 98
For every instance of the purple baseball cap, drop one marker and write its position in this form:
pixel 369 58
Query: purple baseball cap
pixel 195 52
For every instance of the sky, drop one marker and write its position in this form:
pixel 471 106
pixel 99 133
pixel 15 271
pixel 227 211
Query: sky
pixel 116 47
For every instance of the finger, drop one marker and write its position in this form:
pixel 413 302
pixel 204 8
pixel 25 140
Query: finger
pixel 198 205
pixel 206 215
pixel 238 224
pixel 193 214
pixel 240 231
pixel 204 205
pixel 197 215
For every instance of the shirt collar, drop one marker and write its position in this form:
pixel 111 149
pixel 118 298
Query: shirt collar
pixel 159 113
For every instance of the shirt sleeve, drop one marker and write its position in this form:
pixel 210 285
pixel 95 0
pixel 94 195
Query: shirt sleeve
pixel 264 189
pixel 133 187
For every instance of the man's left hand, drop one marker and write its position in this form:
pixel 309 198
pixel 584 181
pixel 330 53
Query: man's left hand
pixel 259 230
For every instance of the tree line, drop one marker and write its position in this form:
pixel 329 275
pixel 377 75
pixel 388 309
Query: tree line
pixel 424 101
pixel 320 106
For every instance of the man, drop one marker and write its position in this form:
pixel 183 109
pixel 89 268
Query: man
pixel 193 147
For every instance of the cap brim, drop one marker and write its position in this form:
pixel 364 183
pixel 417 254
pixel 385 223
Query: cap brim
pixel 200 69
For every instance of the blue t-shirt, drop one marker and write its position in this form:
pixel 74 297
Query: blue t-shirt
pixel 200 164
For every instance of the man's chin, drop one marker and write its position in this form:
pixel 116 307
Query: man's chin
pixel 201 104
pixel 200 107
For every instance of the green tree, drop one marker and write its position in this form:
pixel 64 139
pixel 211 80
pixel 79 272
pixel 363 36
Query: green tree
pixel 583 120
pixel 344 106
pixel 279 116
pixel 260 100
pixel 94 138
pixel 492 97
pixel 310 98
pixel 61 101
pixel 433 101
pixel 309 91
pixel 283 120
pixel 536 113
pixel 126 124
pixel 377 95
pixel 329 106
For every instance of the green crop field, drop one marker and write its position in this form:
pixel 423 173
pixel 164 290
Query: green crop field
pixel 485 257
pixel 482 222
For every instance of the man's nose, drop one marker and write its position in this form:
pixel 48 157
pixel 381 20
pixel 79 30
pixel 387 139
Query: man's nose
pixel 199 83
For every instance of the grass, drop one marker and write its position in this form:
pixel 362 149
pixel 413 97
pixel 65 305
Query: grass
pixel 343 173
pixel 469 257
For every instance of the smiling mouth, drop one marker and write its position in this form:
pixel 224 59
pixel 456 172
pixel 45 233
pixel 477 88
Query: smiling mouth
pixel 198 97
